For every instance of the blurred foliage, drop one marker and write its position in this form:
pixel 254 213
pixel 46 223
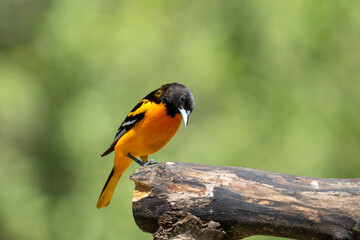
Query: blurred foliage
pixel 276 85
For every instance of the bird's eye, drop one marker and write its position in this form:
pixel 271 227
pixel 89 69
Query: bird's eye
pixel 183 99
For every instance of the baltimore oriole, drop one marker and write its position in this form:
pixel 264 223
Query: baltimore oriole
pixel 146 129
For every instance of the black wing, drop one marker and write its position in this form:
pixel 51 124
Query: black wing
pixel 135 116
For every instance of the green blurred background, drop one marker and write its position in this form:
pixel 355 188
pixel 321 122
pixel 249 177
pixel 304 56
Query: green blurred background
pixel 276 86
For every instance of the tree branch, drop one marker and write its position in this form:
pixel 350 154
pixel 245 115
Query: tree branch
pixel 176 200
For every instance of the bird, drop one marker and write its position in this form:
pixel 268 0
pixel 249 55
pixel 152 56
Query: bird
pixel 147 128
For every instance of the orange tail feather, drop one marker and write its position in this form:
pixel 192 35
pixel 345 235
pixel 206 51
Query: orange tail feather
pixel 121 164
pixel 108 190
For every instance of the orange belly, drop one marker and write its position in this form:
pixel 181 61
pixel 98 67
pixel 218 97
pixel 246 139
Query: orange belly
pixel 149 135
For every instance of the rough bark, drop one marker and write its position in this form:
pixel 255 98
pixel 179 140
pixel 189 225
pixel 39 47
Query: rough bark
pixel 176 200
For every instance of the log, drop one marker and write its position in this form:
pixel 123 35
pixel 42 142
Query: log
pixel 178 200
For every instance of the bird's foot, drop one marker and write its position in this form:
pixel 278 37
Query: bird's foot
pixel 141 163
pixel 150 162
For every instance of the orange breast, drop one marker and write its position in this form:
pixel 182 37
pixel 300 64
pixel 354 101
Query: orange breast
pixel 151 134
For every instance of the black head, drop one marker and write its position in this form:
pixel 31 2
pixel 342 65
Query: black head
pixel 178 99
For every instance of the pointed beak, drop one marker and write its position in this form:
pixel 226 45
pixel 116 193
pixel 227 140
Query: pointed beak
pixel 185 115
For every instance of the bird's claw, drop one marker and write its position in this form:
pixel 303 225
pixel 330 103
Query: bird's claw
pixel 150 162
pixel 141 163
